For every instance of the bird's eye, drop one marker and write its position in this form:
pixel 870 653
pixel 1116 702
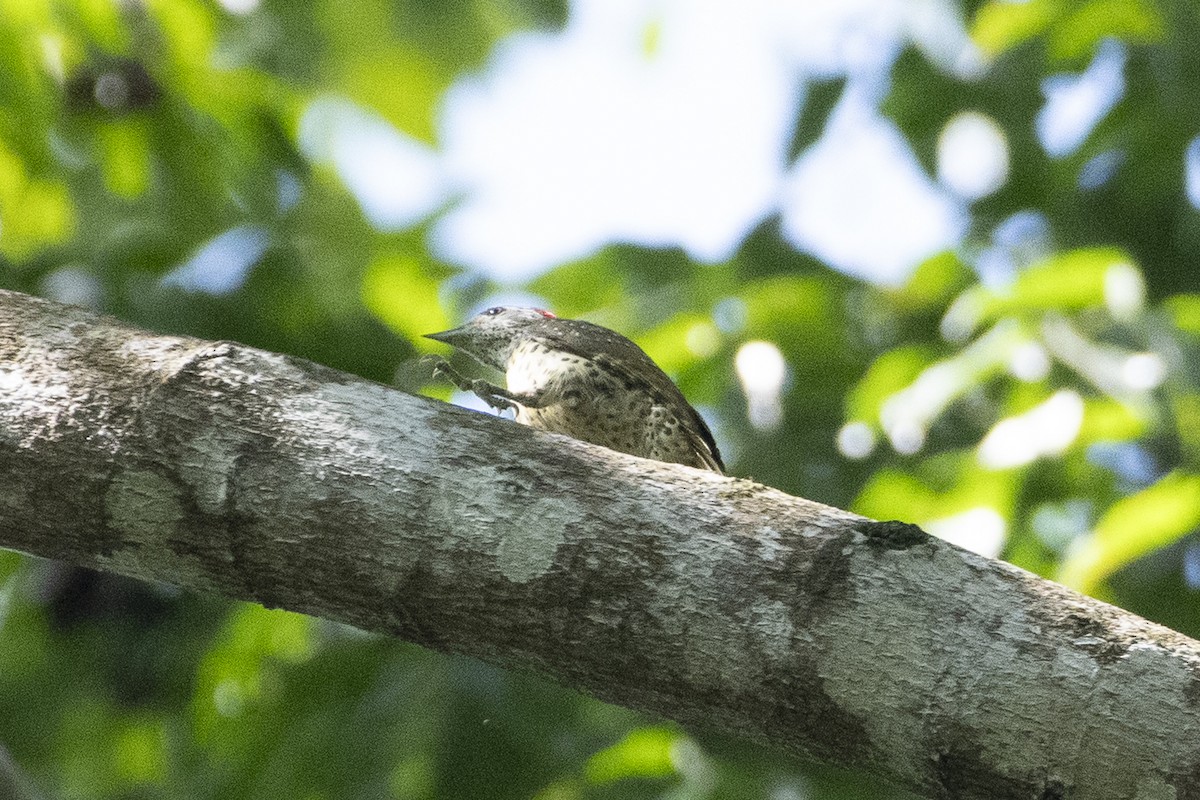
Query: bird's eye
pixel 491 312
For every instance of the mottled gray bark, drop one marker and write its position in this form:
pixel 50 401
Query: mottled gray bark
pixel 708 600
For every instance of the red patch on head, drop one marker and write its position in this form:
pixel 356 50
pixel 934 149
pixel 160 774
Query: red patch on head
pixel 545 313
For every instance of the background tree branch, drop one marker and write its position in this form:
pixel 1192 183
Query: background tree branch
pixel 708 600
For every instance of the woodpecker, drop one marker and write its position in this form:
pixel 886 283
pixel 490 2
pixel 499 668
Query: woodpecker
pixel 583 380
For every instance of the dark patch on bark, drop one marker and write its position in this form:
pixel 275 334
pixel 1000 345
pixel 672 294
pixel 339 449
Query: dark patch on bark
pixel 408 609
pixel 1085 630
pixel 70 510
pixel 629 638
pixel 1191 692
pixel 826 576
pixel 796 709
pixel 1186 782
pixel 892 535
pixel 959 772
pixel 198 537
pixel 1054 790
pixel 224 538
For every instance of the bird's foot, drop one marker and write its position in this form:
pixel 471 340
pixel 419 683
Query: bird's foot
pixel 442 369
pixel 490 394
pixel 494 396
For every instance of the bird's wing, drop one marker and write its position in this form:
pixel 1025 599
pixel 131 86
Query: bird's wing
pixel 621 355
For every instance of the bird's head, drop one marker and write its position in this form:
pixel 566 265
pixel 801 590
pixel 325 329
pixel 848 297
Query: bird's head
pixel 491 336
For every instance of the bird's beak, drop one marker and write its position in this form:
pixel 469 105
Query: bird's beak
pixel 451 337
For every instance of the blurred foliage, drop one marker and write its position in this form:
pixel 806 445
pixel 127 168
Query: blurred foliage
pixel 1052 418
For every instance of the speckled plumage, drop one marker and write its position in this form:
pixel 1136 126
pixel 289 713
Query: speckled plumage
pixel 585 381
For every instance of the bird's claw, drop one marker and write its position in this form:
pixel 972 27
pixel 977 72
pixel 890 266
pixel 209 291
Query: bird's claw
pixel 442 369
pixel 487 393
pixel 436 362
pixel 477 386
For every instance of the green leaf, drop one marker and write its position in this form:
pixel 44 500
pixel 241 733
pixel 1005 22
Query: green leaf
pixel 962 485
pixel 891 494
pixel 933 283
pixel 681 341
pixel 887 375
pixel 1073 280
pixel 140 752
pixel 644 753
pixel 1133 21
pixel 398 292
pixel 1107 419
pixel 1002 24
pixel 125 156
pixel 399 83
pixel 1184 310
pixel 41 215
pixel 102 20
pixel 1134 527
pixel 574 289
pixel 231 676
pixel 802 314
pixel 1185 408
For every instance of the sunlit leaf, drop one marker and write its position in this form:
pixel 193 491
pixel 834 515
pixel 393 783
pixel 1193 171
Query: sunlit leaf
pixel 681 341
pixel 788 300
pixel 581 286
pixel 891 494
pixel 1184 310
pixel 230 677
pixel 102 20
pixel 1072 280
pixel 644 753
pixel 1107 419
pixel 190 30
pixel 125 154
pixel 802 315
pixel 561 790
pixel 140 752
pixel 415 776
pixel 398 292
pixel 401 85
pixel 1133 527
pixel 906 415
pixel 1002 24
pixel 13 178
pixel 41 215
pixel 1186 409
pixel 888 374
pixel 27 13
pixel 1078 33
pixel 962 485
pixel 934 282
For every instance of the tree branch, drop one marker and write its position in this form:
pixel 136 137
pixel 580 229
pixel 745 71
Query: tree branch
pixel 708 600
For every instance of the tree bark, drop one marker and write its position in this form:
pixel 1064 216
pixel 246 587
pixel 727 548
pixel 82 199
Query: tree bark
pixel 704 599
